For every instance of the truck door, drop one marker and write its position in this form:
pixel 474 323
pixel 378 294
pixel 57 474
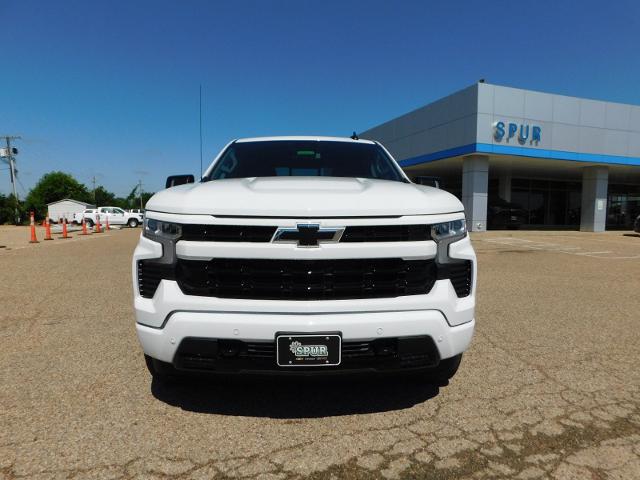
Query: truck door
pixel 104 213
pixel 117 216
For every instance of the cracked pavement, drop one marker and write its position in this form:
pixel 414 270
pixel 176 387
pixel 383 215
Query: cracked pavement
pixel 549 389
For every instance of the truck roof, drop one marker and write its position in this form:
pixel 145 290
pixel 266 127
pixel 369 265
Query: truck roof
pixel 304 138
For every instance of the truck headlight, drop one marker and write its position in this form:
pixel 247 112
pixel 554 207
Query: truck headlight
pixel 157 229
pixel 449 231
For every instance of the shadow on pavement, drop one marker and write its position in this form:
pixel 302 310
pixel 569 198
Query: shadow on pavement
pixel 631 234
pixel 299 397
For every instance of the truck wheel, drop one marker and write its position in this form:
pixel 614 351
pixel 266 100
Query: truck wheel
pixel 133 223
pixel 160 371
pixel 89 222
pixel 445 370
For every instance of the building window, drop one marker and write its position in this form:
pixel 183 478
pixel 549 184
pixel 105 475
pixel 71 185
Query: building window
pixel 623 206
pixel 536 203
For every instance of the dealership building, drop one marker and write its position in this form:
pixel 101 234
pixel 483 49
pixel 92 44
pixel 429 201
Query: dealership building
pixel 558 161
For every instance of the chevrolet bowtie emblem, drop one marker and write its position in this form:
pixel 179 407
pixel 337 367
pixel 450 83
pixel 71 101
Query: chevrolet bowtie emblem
pixel 308 235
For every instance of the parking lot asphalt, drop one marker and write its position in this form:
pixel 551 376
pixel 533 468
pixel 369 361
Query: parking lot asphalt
pixel 549 389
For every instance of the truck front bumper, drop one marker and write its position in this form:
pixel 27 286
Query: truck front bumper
pixel 258 332
pixel 171 322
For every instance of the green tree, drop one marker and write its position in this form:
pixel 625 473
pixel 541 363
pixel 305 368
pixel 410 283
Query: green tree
pixel 133 199
pixel 145 198
pixel 54 186
pixel 8 209
pixel 104 197
pixel 121 202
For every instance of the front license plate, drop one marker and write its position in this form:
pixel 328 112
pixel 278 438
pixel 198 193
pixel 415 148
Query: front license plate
pixel 295 350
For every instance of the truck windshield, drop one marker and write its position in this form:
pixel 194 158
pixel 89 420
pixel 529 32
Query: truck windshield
pixel 305 158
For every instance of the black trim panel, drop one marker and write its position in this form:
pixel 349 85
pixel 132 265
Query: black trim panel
pixel 225 355
pixel 267 279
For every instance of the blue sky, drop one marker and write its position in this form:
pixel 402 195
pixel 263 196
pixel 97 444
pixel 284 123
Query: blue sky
pixel 111 88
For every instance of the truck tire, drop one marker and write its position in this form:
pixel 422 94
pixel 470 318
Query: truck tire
pixel 160 371
pixel 89 222
pixel 445 370
pixel 133 223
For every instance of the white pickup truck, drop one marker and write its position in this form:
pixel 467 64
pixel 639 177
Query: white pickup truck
pixel 116 216
pixel 304 255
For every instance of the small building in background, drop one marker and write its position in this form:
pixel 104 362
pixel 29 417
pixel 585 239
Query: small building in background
pixel 66 208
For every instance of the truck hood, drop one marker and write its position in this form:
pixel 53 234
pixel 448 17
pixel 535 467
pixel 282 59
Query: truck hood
pixel 304 197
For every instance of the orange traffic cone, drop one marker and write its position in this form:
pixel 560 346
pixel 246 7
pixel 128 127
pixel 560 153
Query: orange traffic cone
pixel 33 229
pixel 107 224
pixel 84 227
pixel 64 229
pixel 47 229
pixel 98 226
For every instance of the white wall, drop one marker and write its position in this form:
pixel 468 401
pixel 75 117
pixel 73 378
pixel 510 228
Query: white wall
pixel 65 208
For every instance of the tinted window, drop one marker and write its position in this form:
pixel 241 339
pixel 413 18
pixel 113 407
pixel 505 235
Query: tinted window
pixel 305 159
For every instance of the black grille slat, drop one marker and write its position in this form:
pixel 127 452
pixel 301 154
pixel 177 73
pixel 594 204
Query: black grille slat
pixel 264 234
pixel 227 233
pixel 305 279
pixel 149 276
pixel 260 350
pixel 460 275
pixel 357 349
pixel 386 233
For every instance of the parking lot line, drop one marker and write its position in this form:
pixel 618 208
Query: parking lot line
pixel 560 248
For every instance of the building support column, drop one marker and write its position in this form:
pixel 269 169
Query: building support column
pixel 504 186
pixel 593 217
pixel 475 186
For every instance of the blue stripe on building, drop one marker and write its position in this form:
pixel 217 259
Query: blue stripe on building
pixel 520 152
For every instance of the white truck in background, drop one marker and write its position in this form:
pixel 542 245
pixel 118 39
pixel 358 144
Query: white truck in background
pixel 115 215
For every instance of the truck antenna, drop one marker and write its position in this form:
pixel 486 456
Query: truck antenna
pixel 354 136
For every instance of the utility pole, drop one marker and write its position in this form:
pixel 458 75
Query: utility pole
pixel 140 191
pixel 201 131
pixel 93 180
pixel 12 172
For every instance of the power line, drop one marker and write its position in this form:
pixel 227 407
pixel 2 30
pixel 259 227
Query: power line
pixel 22 186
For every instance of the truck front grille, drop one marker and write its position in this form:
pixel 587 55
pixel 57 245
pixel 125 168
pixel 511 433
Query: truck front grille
pixel 305 279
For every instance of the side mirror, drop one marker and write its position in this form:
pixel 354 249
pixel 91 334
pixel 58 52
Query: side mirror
pixel 175 180
pixel 428 181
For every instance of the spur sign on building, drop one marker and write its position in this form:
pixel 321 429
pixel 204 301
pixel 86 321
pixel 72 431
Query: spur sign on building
pixel 523 133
